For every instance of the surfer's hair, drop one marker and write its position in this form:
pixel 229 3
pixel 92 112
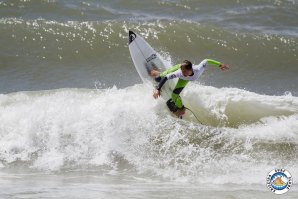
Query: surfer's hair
pixel 187 65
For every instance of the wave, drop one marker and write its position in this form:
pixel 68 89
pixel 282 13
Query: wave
pixel 126 130
pixel 264 16
pixel 73 41
pixel 234 107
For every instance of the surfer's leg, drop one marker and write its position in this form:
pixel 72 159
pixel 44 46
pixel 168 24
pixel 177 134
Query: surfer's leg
pixel 177 90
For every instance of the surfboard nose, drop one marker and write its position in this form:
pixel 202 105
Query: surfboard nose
pixel 131 36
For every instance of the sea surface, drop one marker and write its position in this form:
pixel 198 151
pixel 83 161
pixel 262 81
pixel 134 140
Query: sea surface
pixel 76 121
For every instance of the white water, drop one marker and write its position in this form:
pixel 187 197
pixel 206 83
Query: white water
pixel 126 130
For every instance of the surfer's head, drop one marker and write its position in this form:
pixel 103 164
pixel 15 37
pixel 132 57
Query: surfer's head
pixel 186 68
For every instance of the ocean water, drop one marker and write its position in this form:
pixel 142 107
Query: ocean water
pixel 76 121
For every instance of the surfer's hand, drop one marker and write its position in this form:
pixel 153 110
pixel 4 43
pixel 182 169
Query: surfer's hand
pixel 154 73
pixel 156 94
pixel 223 67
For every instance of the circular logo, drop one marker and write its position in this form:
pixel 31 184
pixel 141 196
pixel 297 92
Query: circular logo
pixel 279 181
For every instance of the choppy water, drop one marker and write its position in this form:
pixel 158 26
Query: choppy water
pixel 77 122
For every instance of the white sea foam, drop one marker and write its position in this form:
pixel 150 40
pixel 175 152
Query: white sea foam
pixel 127 130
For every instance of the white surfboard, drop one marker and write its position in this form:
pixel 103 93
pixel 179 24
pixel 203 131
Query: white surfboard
pixel 145 58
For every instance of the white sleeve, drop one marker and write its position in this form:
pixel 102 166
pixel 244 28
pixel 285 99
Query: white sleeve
pixel 204 63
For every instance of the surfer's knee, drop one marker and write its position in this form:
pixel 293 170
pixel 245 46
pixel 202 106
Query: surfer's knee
pixel 177 91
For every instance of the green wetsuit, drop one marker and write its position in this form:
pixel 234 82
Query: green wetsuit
pixel 175 72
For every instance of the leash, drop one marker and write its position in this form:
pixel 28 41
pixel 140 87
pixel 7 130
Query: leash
pixel 194 115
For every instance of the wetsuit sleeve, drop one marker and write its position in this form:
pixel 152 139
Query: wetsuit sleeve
pixel 212 62
pixel 163 76
pixel 175 74
pixel 170 70
pixel 161 83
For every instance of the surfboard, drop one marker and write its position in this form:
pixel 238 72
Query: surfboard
pixel 145 58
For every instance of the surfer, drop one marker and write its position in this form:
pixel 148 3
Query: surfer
pixel 185 72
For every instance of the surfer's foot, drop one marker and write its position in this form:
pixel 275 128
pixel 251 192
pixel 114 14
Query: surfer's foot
pixel 154 73
pixel 180 112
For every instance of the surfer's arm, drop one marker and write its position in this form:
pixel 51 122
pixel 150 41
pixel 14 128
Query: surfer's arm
pixel 162 82
pixel 212 62
pixel 170 70
pixel 172 75
pixel 163 77
pixel 216 63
